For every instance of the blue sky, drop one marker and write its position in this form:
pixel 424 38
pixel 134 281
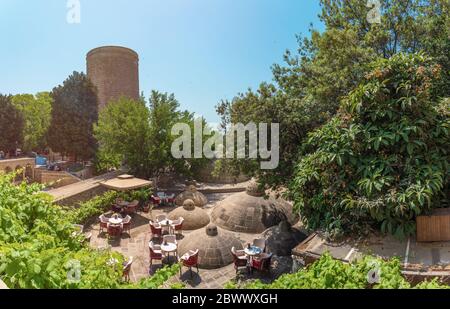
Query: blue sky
pixel 201 50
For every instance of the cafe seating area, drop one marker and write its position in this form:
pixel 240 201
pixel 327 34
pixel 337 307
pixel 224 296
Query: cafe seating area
pixel 252 257
pixel 167 235
pixel 163 243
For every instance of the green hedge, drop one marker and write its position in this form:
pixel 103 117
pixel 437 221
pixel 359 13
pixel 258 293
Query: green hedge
pixel 329 273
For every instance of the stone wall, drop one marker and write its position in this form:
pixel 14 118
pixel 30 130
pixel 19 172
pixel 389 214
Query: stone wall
pixel 82 196
pixel 57 179
pixel 114 71
pixel 81 191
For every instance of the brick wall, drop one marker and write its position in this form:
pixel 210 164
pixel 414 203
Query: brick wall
pixel 115 72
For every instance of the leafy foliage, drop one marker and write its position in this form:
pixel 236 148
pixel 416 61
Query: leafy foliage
pixel 87 211
pixel 11 125
pixel 328 273
pixel 74 112
pixel 38 248
pixel 139 136
pixel 309 86
pixel 383 160
pixel 36 110
pixel 92 208
pixel 36 243
pixel 159 278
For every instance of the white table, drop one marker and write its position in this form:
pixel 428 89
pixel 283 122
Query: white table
pixel 115 221
pixel 166 224
pixel 252 252
pixel 168 248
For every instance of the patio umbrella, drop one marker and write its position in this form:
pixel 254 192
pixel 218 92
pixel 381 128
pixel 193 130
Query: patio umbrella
pixel 126 183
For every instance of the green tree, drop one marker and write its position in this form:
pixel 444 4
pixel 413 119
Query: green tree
pixel 164 114
pixel 309 86
pixel 11 124
pixel 36 110
pixel 383 159
pixel 123 132
pixel 74 112
pixel 138 135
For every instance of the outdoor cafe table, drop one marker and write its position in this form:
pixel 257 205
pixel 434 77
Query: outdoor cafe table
pixel 166 224
pixel 115 220
pixel 252 252
pixel 168 248
pixel 123 203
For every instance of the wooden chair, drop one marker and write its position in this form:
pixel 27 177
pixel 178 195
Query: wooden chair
pixel 177 225
pixel 260 243
pixel 239 259
pixel 127 225
pixel 155 252
pixel 131 208
pixel 156 201
pixel 114 231
pixel 189 260
pixel 262 262
pixel 156 229
pixel 103 223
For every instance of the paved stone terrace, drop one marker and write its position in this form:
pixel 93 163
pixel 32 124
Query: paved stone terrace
pixel 136 245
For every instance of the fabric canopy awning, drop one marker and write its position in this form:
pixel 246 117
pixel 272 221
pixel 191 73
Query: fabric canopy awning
pixel 126 183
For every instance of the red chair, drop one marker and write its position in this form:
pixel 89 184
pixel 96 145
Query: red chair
pixel 155 252
pixel 103 223
pixel 156 230
pixel 127 269
pixel 131 208
pixel 127 225
pixel 239 259
pixel 177 226
pixel 156 201
pixel 262 263
pixel 171 200
pixel 190 260
pixel 114 230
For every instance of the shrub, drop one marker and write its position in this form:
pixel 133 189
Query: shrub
pixel 328 273
pixel 158 279
pixel 93 208
pixel 37 246
pixel 383 160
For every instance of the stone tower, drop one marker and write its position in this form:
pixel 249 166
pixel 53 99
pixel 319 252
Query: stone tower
pixel 114 70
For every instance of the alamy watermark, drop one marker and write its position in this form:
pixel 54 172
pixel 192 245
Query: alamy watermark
pixel 374 15
pixel 74 271
pixel 374 274
pixel 74 11
pixel 241 141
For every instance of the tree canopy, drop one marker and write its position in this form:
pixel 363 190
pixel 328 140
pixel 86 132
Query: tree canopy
pixel 74 112
pixel 307 89
pixel 139 135
pixel 36 110
pixel 11 124
pixel 383 159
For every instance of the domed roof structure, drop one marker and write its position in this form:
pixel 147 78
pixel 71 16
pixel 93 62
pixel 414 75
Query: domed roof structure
pixel 194 217
pixel 251 212
pixel 281 239
pixel 214 246
pixel 191 193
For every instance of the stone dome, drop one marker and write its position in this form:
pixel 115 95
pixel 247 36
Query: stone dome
pixel 191 193
pixel 214 246
pixel 254 189
pixel 194 217
pixel 248 213
pixel 281 239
